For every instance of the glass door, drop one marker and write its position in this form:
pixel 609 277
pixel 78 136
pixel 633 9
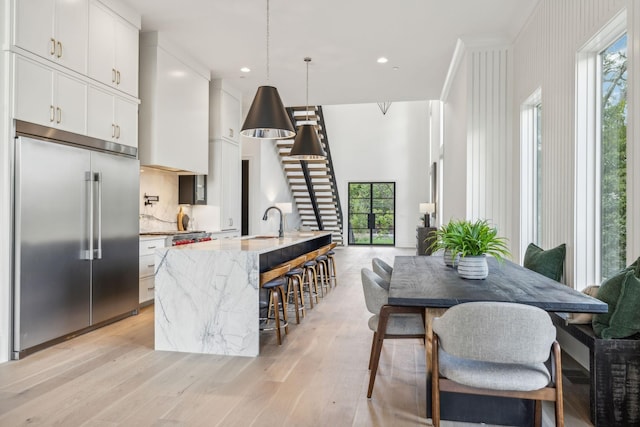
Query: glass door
pixel 372 217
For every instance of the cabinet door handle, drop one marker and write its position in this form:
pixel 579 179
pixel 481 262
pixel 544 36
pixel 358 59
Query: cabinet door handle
pixel 117 77
pixel 151 265
pixel 59 50
pixel 230 133
pixel 113 75
pixel 52 113
pixel 113 130
pixel 53 46
pixel 151 247
pixel 118 131
pixel 59 111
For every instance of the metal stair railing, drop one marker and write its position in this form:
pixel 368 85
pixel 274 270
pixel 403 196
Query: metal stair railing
pixel 311 186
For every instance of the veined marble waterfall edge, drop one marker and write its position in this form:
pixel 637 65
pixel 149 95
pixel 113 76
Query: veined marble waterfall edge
pixel 207 302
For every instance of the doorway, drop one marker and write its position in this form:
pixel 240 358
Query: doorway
pixel 244 228
pixel 372 218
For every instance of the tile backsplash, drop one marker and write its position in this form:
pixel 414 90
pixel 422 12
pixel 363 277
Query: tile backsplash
pixel 161 215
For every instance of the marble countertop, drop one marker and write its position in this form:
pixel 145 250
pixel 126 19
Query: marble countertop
pixel 258 244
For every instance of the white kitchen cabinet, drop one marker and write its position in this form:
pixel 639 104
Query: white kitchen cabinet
pixel 174 110
pixel 224 182
pixel 227 234
pixel 48 97
pixel 111 117
pixel 226 111
pixel 113 49
pixel 147 266
pixel 54 29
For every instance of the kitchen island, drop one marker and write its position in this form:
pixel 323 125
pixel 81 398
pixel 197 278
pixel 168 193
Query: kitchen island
pixel 207 293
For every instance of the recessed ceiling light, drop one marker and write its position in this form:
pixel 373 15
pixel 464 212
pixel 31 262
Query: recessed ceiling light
pixel 382 60
pixel 245 69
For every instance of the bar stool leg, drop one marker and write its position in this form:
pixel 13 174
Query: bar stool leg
pixel 274 297
pixel 333 277
pixel 284 309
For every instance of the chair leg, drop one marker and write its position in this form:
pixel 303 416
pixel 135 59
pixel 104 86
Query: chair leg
pixel 307 276
pixel 291 289
pixel 314 273
pixel 284 309
pixel 537 417
pixel 379 338
pixel 435 384
pixel 373 343
pixel 274 296
pixel 333 276
pixel 559 404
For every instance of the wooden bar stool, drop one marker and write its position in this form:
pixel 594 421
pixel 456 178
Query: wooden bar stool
pixel 274 282
pixel 323 268
pixel 311 276
pixel 295 285
pixel 333 278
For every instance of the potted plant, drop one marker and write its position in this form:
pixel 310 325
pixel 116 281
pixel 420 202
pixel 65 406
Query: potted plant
pixel 444 238
pixel 474 241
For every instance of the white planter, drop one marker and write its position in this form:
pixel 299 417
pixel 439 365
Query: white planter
pixel 473 267
pixel 449 260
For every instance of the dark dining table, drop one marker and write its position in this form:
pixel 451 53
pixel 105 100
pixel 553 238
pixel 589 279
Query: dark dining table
pixel 425 281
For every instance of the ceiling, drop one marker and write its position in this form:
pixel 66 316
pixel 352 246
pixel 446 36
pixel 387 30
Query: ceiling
pixel 344 38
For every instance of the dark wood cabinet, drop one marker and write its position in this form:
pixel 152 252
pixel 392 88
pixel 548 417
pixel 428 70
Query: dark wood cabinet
pixel 425 236
pixel 192 189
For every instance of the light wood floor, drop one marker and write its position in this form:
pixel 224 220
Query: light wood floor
pixel 318 377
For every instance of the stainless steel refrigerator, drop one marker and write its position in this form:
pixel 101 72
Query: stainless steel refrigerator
pixel 75 234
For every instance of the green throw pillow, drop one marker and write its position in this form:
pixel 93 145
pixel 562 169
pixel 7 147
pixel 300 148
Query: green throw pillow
pixel 549 263
pixel 609 292
pixel 625 320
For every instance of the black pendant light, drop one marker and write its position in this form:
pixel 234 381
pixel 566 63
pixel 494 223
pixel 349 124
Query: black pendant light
pixel 307 145
pixel 267 118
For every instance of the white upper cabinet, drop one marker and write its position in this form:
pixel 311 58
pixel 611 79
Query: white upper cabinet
pixel 226 112
pixel 174 109
pixel 112 118
pixel 113 49
pixel 48 97
pixel 54 29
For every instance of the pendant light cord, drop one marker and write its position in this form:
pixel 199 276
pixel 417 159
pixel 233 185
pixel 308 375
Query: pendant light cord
pixel 268 37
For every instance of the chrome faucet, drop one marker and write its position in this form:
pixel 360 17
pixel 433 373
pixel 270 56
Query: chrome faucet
pixel 264 218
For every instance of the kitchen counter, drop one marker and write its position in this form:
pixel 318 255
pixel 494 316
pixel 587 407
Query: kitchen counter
pixel 207 293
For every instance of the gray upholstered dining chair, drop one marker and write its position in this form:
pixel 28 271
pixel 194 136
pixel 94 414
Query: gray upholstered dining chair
pixel 497 349
pixel 382 269
pixel 387 321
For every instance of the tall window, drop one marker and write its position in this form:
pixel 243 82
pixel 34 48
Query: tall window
pixel 613 157
pixel 537 202
pixel 531 167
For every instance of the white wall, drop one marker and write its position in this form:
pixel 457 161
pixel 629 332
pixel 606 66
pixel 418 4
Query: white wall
pixel 5 210
pixel 268 186
pixel 545 57
pixel 454 150
pixel 368 146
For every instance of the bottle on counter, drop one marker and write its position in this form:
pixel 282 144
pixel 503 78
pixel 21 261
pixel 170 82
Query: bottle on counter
pixel 180 217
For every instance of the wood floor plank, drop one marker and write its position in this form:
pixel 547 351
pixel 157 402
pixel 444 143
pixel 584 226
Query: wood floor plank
pixel 317 377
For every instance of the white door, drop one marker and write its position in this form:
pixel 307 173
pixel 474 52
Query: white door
pixel 34 26
pixel 71 29
pixel 127 122
pixel 33 92
pixel 100 120
pixel 71 104
pixel 101 45
pixel 126 57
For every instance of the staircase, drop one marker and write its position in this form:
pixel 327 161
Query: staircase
pixel 312 182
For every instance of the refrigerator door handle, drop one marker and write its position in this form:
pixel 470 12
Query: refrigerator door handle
pixel 88 253
pixel 97 176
